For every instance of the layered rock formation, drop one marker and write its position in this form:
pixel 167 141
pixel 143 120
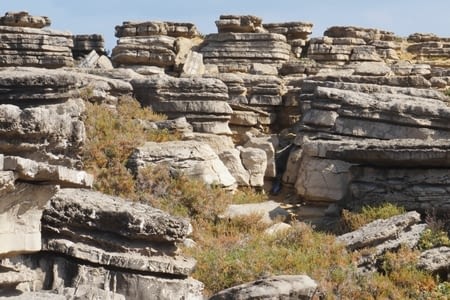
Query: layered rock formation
pixel 83 44
pixel 161 44
pixel 242 42
pixel 360 113
pixel 25 43
pixel 202 101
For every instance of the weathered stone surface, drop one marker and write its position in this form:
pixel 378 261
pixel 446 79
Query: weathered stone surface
pixel 266 144
pixel 24 19
pixel 142 259
pixel 379 231
pixel 299 287
pixel 255 162
pixel 322 179
pixel 435 260
pixel 20 218
pixel 218 143
pixel 20 46
pixel 193 65
pixel 150 28
pixel 10 278
pixel 29 170
pixel 69 277
pixel 270 211
pixel 367 34
pixel 193 159
pixel 238 51
pixel 156 50
pixel 7 179
pixel 80 209
pixel 235 23
pixel 203 101
pixel 85 43
pixel 111 232
pixel 51 133
pixel 396 116
pixel 232 160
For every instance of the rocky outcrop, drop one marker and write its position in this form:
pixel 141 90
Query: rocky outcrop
pixel 83 44
pixel 154 43
pixel 24 43
pixel 296 34
pixel 100 244
pixel 243 42
pixel 193 159
pixel 203 101
pixel 41 111
pixel 299 287
pixel 383 235
pixel 429 48
pixel 343 45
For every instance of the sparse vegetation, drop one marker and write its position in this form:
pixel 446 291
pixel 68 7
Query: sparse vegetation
pixel 351 221
pixel 231 252
pixel 111 136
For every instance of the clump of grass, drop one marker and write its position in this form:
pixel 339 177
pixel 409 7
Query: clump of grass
pixel 433 238
pixel 111 137
pixel 351 221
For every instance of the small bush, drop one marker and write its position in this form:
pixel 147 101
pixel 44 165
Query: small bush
pixel 111 137
pixel 433 238
pixel 351 221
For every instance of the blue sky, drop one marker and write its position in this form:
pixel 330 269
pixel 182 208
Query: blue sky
pixel 400 16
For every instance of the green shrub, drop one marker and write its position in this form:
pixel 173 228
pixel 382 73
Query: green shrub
pixel 433 238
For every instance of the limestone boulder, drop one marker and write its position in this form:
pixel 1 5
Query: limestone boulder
pixel 269 211
pixel 193 159
pixel 299 287
pixel 323 180
pixel 379 231
pixel 232 160
pixel 268 144
pixel 255 162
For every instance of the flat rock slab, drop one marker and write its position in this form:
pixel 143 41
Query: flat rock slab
pixel 80 209
pixel 144 262
pixel 435 260
pixel 379 231
pixel 269 211
pixel 30 170
pixel 289 287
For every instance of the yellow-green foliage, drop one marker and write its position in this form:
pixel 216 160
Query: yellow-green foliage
pixel 352 221
pixel 432 238
pixel 111 137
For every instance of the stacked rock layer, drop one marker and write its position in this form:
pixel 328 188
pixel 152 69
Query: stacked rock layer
pixel 23 42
